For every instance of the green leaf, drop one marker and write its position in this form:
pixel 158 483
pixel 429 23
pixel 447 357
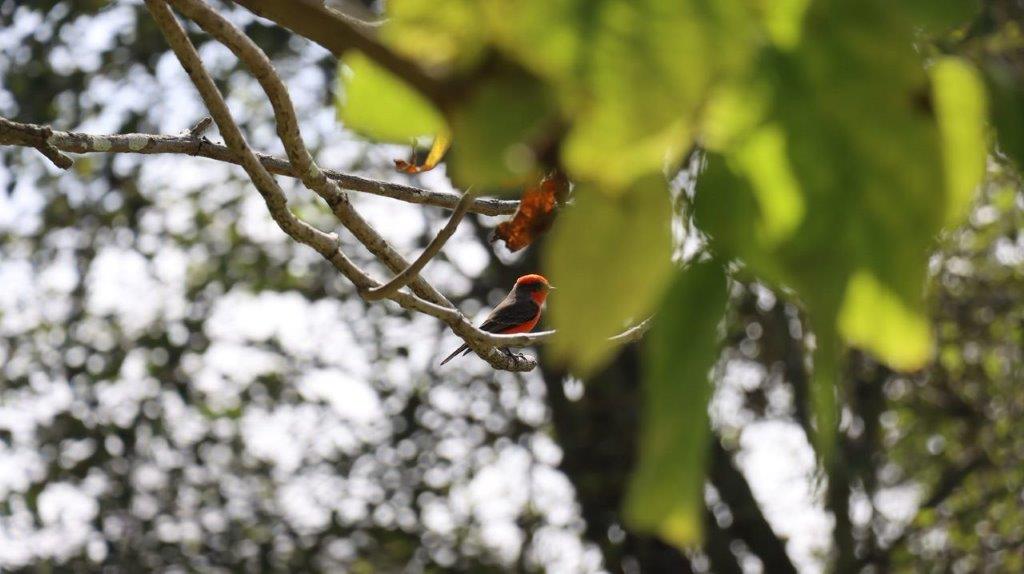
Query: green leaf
pixel 832 173
pixel 960 108
pixel 436 33
pixel 873 316
pixel 546 37
pixel 939 15
pixel 666 494
pixel 783 19
pixel 495 132
pixel 763 157
pixel 375 103
pixel 651 64
pixel 843 139
pixel 610 256
pixel 1006 89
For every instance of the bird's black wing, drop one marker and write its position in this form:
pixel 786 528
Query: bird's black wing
pixel 510 313
pixel 507 314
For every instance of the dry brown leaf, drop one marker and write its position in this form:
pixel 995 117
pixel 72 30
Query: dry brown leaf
pixel 442 142
pixel 536 213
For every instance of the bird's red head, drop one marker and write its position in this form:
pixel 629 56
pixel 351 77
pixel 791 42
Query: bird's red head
pixel 536 285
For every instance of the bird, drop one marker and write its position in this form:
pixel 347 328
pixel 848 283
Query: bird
pixel 517 313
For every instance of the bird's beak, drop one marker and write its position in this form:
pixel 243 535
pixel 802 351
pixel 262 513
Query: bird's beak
pixel 552 288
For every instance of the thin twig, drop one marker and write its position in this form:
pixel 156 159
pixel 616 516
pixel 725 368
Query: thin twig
pixel 201 126
pixel 18 134
pixel 630 335
pixel 634 333
pixel 432 249
pixel 355 13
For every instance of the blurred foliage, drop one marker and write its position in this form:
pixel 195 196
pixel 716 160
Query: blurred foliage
pixel 591 275
pixel 667 496
pixel 836 151
pixel 955 425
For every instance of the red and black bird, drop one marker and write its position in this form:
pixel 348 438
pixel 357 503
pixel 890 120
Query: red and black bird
pixel 517 313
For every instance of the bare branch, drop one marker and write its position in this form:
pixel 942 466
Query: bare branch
pixel 34 136
pixel 313 178
pixel 432 249
pixel 265 183
pixel 13 133
pixel 288 130
pixel 73 142
pixel 356 13
pixel 325 244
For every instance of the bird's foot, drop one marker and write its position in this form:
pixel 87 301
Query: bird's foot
pixel 514 356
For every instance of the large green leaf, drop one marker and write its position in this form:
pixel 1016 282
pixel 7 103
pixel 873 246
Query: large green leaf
pixel 939 15
pixel 610 257
pixel 546 37
pixel 874 316
pixel 666 495
pixel 496 132
pixel 838 185
pixel 783 19
pixel 379 105
pixel 764 158
pixel 650 66
pixel 440 34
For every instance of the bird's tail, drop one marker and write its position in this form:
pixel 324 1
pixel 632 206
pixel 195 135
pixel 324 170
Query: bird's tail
pixel 463 350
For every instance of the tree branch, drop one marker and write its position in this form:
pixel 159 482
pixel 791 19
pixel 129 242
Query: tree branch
pixel 325 244
pixel 749 523
pixel 718 547
pixel 288 130
pixel 18 134
pixel 34 136
pixel 432 249
pixel 338 34
pixel 265 183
